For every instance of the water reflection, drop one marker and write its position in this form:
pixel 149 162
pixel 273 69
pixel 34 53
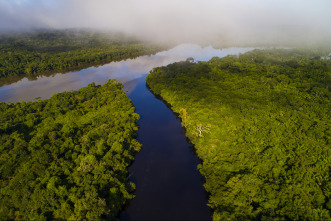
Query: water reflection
pixel 169 186
pixel 124 71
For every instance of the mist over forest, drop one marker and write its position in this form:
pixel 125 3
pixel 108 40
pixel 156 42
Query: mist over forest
pixel 250 137
pixel 233 22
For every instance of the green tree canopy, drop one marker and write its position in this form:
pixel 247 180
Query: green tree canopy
pixel 67 157
pixel 261 124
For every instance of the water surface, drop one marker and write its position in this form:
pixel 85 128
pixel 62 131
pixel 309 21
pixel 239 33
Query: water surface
pixel 124 71
pixel 169 186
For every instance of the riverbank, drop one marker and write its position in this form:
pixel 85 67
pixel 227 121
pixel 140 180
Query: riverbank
pixel 168 170
pixel 45 52
pixel 259 128
pixel 67 157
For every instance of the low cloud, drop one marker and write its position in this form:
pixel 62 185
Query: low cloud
pixel 179 20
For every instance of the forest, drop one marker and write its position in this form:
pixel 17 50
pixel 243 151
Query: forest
pixel 260 122
pixel 39 52
pixel 67 157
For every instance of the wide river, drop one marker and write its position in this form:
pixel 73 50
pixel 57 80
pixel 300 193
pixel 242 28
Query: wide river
pixel 168 184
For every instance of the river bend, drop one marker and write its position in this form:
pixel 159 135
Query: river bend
pixel 168 184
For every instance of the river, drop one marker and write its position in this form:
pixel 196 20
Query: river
pixel 168 184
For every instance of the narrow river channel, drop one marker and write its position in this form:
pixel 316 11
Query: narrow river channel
pixel 168 184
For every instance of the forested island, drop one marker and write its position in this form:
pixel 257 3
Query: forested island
pixel 67 157
pixel 47 51
pixel 260 123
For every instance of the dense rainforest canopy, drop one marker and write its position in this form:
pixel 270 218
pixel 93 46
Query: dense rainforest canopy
pixel 261 124
pixel 28 54
pixel 66 157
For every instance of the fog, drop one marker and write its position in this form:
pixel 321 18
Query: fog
pixel 234 21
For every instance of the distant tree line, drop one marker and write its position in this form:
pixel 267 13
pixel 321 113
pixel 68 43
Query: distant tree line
pixel 28 54
pixel 261 123
pixel 67 157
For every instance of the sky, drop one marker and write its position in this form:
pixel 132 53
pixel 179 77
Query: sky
pixel 179 20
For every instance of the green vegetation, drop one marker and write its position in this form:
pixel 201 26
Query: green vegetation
pixel 261 124
pixel 66 158
pixel 38 52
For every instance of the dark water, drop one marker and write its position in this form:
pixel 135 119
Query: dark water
pixel 168 184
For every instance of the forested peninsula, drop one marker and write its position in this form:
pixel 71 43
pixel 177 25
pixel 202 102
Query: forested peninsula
pixel 67 157
pixel 47 51
pixel 261 124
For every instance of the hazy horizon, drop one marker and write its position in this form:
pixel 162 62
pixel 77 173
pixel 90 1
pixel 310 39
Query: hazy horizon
pixel 238 21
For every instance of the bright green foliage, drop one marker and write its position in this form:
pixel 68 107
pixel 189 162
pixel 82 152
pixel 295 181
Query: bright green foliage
pixel 52 51
pixel 66 157
pixel 261 124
